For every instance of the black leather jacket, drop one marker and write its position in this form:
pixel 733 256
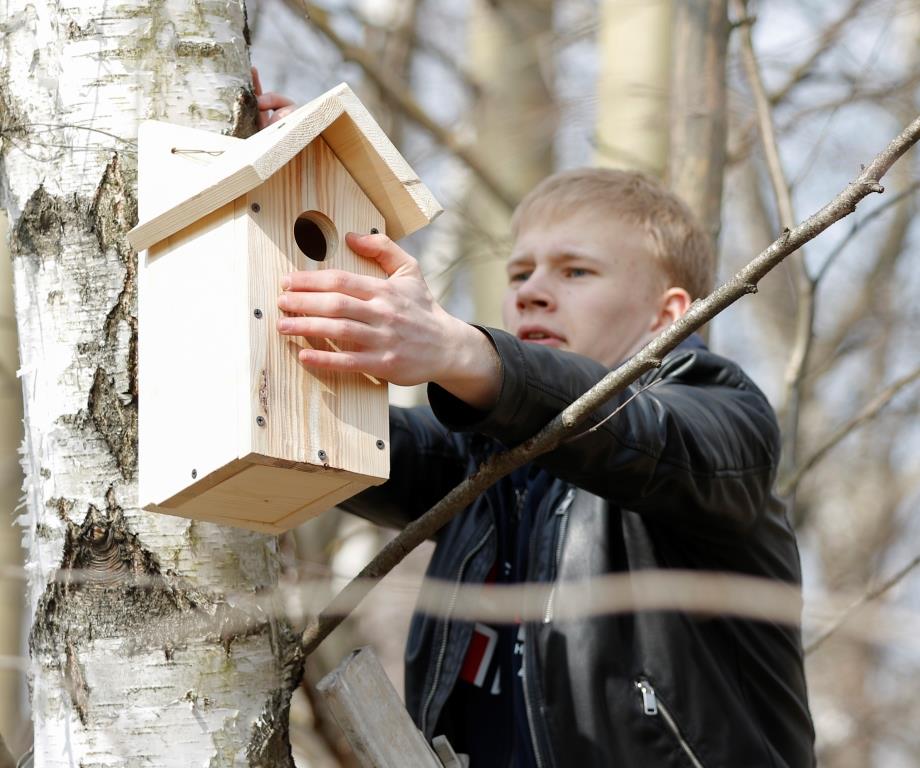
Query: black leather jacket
pixel 680 478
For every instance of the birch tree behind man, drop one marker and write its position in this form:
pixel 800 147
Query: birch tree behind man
pixel 140 653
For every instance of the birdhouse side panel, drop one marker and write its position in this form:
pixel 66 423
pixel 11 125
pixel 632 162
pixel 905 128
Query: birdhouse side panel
pixel 297 221
pixel 193 357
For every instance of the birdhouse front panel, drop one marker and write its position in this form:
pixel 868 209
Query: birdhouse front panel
pixel 298 221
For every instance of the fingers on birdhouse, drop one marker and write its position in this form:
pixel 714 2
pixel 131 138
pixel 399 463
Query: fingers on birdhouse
pixel 381 249
pixel 335 281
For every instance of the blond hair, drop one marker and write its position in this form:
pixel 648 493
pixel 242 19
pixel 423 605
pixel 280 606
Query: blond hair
pixel 677 242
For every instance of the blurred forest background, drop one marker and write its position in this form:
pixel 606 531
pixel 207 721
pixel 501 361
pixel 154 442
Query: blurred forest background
pixel 757 115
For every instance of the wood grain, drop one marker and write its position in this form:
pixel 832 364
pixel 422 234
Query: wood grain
pixel 305 412
pixel 375 722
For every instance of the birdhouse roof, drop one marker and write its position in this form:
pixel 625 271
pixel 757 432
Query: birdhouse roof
pixel 352 134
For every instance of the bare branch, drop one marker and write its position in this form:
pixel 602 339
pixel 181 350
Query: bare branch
pixel 649 357
pixel 870 410
pixel 858 225
pixel 319 18
pixel 829 36
pixel 805 286
pixel 871 595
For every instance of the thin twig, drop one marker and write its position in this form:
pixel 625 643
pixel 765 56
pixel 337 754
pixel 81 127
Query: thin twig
pixel 649 357
pixel 828 37
pixel 805 286
pixel 871 595
pixel 614 412
pixel 858 224
pixel 870 410
pixel 319 18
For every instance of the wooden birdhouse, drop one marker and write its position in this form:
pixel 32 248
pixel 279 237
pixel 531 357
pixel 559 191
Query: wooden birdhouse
pixel 232 428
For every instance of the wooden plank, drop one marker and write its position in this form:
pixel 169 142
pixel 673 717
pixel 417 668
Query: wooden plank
pixel 380 170
pixel 342 415
pixel 406 203
pixel 374 720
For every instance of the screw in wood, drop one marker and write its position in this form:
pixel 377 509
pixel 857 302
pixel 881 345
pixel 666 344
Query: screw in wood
pixel 255 207
pixel 260 420
pixel 322 455
pixel 375 231
pixel 257 313
pixel 381 445
pixel 194 473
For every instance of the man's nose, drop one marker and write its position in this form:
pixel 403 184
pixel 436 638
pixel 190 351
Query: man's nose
pixel 535 292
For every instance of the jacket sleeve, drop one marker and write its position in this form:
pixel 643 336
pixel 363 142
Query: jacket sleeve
pixel 699 446
pixel 426 461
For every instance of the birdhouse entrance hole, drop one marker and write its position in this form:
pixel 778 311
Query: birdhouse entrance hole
pixel 315 235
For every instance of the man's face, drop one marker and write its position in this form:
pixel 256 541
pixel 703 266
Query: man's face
pixel 585 283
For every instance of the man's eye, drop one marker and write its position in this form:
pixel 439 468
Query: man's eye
pixel 577 272
pixel 518 277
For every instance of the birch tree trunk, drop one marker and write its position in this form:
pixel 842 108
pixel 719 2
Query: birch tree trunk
pixel 141 653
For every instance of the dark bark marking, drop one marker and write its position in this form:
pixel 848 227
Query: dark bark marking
pixel 40 228
pixel 270 743
pixel 112 213
pixel 199 50
pixel 75 683
pixel 115 420
pixel 11 124
pixel 247 33
pixel 245 120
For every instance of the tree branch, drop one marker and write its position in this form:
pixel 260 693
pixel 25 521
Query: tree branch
pixel 805 286
pixel 649 357
pixel 319 18
pixel 871 595
pixel 828 37
pixel 868 412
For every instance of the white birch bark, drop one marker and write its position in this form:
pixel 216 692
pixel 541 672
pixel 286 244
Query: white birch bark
pixel 140 653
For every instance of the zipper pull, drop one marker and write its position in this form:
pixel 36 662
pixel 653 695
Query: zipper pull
pixel 566 502
pixel 649 700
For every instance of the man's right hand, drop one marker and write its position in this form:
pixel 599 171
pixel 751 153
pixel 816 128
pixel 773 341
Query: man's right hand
pixel 400 332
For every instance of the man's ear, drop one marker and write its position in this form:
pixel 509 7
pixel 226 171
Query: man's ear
pixel 672 304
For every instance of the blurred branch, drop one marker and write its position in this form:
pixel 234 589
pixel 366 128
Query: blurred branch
pixel 400 97
pixel 871 595
pixel 805 286
pixel 870 410
pixel 858 225
pixel 649 357
pixel 860 311
pixel 829 36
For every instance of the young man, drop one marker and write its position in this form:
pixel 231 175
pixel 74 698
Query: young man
pixel 679 479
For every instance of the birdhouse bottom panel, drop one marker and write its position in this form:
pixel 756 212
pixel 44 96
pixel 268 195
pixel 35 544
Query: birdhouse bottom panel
pixel 266 498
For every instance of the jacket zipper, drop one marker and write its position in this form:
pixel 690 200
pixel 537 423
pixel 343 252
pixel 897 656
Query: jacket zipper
pixel 450 608
pixel 538 756
pixel 652 706
pixel 563 510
